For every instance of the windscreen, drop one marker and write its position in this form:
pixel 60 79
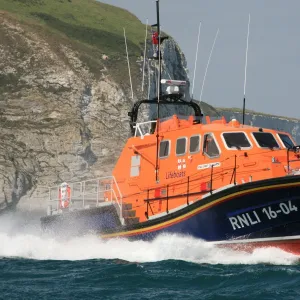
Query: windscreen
pixel 287 141
pixel 265 139
pixel 236 140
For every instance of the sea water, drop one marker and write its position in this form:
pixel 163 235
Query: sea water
pixel 34 265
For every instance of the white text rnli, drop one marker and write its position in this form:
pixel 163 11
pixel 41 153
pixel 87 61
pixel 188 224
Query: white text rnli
pixel 255 216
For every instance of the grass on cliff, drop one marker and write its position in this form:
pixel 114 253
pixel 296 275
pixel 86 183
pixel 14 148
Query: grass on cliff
pixel 89 21
pixel 91 28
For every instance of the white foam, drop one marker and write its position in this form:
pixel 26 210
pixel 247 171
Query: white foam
pixel 17 240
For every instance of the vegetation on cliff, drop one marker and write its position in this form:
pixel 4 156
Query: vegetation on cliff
pixel 91 22
pixel 93 28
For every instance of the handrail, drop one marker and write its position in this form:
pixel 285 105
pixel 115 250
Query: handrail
pixel 174 196
pixel 295 149
pixel 233 176
pixel 138 129
pixel 121 200
pixel 211 178
pixel 188 193
pixel 227 168
pixel 89 192
pixel 167 199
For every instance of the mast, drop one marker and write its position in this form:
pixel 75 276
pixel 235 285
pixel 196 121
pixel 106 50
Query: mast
pixel 211 51
pixel 128 63
pixel 246 64
pixel 144 62
pixel 158 49
pixel 158 91
pixel 195 67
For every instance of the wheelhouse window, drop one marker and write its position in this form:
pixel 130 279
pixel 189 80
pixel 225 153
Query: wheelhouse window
pixel 194 144
pixel 265 140
pixel 236 140
pixel 181 146
pixel 164 149
pixel 210 147
pixel 286 140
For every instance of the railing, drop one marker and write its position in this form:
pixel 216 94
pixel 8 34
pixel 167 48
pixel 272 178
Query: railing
pixel 119 203
pixel 295 149
pixel 188 191
pixel 87 194
pixel 209 178
pixel 233 176
pixel 168 197
pixel 144 128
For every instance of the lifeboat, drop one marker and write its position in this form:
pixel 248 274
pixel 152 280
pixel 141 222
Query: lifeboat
pixel 229 184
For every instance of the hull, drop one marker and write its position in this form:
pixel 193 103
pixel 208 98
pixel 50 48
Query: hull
pixel 289 244
pixel 251 215
pixel 79 222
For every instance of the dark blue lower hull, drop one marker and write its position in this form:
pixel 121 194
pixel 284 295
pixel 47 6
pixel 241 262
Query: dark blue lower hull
pixel 269 213
pixel 265 209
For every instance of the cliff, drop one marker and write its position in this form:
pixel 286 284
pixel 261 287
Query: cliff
pixel 65 92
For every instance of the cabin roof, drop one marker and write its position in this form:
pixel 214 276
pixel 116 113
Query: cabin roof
pixel 186 127
pixel 219 125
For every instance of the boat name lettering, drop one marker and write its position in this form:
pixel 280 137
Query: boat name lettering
pixel 259 215
pixel 206 166
pixel 175 174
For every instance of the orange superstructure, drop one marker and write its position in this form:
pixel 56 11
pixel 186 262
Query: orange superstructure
pixel 195 159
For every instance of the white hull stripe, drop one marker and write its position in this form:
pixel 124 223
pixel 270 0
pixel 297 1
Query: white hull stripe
pixel 260 240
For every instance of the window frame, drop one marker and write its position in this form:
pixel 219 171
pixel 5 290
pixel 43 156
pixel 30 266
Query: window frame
pixel 235 148
pixel 280 140
pixel 186 144
pixel 216 156
pixel 200 140
pixel 255 141
pixel 163 157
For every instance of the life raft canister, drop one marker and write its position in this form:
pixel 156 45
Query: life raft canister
pixel 64 195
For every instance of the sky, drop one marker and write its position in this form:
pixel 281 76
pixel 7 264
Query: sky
pixel 273 69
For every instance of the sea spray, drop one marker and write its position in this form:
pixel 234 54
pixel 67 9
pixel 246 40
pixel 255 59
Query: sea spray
pixel 20 236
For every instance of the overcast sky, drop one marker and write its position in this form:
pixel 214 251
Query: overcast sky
pixel 273 79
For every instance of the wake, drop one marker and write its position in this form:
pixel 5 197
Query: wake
pixel 21 237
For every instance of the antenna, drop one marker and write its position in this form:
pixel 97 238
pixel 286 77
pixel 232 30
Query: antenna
pixel 149 78
pixel 145 55
pixel 212 49
pixel 158 91
pixel 128 64
pixel 246 64
pixel 195 67
pixel 159 56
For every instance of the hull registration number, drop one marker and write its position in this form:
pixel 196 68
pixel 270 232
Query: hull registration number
pixel 255 216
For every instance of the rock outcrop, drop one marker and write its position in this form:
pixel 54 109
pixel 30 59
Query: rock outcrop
pixel 61 120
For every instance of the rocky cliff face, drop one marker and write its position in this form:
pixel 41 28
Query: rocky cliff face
pixel 61 120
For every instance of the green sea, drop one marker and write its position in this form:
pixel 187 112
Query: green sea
pixel 34 265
